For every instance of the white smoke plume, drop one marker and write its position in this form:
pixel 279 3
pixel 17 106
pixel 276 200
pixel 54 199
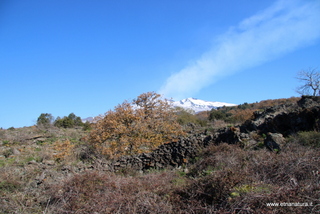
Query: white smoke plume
pixel 285 26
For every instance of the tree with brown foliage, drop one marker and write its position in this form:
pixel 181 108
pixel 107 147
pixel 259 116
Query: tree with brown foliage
pixel 136 127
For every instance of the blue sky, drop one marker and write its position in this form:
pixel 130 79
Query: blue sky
pixel 86 57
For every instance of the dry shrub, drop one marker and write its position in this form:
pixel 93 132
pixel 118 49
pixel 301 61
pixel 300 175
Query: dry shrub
pixel 229 179
pixel 221 157
pixel 136 127
pixel 219 124
pixel 210 192
pixel 223 179
pixel 219 170
pixel 15 194
pixel 243 112
pixel 109 193
pixel 241 115
pixel 64 150
pixel 226 179
pixel 8 184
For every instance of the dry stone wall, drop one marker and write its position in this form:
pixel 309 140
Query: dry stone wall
pixel 172 154
pixel 274 122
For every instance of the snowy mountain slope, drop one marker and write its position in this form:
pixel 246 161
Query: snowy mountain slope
pixel 194 104
pixel 198 105
pixel 92 119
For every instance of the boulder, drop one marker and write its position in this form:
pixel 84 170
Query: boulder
pixel 287 119
pixel 274 141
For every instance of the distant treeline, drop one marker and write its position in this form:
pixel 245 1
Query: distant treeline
pixel 70 121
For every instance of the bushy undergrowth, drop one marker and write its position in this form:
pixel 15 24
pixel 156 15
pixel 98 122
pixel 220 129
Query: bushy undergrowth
pixel 251 179
pixel 109 193
pixel 52 170
pixel 222 179
pixel 225 179
pixel 243 112
pixel 311 138
pixel 28 164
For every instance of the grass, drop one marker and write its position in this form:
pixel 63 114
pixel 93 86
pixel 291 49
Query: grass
pixel 225 179
pixel 221 179
pixel 310 138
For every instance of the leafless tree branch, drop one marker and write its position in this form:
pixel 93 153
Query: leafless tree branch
pixel 311 82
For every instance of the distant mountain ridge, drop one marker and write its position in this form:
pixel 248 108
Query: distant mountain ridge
pixel 198 105
pixel 193 104
pixel 90 119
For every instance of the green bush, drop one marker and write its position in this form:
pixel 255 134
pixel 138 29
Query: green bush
pixel 86 126
pixel 217 115
pixel 185 117
pixel 68 122
pixel 311 138
pixel 64 122
pixel 45 119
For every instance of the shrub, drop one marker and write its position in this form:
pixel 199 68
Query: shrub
pixel 64 149
pixel 68 122
pixel 311 138
pixel 86 126
pixel 94 192
pixel 45 119
pixel 217 115
pixel 185 117
pixel 136 127
pixel 243 112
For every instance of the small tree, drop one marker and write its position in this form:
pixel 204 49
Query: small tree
pixel 68 122
pixel 45 119
pixel 136 127
pixel 311 82
pixel 64 122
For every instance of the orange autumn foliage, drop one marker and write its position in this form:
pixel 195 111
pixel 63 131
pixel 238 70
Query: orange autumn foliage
pixel 136 127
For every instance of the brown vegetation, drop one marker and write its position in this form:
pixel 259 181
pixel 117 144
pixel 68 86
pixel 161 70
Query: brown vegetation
pixel 241 113
pixel 52 170
pixel 136 127
pixel 226 179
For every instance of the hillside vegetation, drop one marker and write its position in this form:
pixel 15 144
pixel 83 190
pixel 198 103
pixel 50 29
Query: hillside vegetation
pixel 227 162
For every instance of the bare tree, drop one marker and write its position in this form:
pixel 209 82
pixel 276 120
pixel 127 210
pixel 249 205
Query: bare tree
pixel 311 82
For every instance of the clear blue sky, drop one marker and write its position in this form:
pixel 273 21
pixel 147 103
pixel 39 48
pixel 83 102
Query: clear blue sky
pixel 85 57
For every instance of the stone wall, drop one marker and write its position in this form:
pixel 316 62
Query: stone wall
pixel 276 121
pixel 172 154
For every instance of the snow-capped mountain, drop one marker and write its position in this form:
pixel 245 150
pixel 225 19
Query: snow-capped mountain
pixel 194 104
pixel 92 119
pixel 198 105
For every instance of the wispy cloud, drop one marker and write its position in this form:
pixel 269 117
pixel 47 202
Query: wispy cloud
pixel 285 26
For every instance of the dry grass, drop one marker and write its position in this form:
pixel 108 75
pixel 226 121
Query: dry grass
pixel 28 165
pixel 109 193
pixel 222 179
pixel 226 179
pixel 248 180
